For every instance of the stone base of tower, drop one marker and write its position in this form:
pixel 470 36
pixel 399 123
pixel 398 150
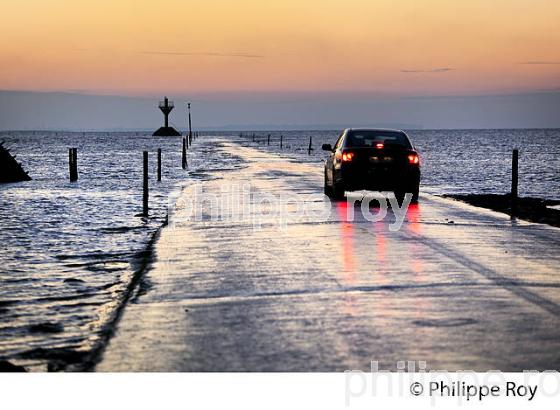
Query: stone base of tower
pixel 166 132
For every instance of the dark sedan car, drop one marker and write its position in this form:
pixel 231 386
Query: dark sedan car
pixel 372 159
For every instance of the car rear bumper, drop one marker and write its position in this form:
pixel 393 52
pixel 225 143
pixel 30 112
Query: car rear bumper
pixel 354 179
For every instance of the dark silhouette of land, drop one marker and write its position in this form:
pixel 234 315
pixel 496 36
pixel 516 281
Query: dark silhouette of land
pixel 10 169
pixel 530 209
pixel 7 367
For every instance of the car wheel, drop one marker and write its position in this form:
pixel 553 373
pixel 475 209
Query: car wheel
pixel 400 196
pixel 415 195
pixel 338 192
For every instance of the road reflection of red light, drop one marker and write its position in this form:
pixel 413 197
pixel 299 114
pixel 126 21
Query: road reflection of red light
pixel 342 210
pixel 413 224
pixel 415 263
pixel 380 243
pixel 349 303
pixel 347 235
pixel 413 218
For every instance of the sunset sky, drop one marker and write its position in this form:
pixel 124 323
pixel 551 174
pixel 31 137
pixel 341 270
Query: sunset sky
pixel 214 47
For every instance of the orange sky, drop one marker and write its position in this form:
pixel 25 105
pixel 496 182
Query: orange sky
pixel 134 47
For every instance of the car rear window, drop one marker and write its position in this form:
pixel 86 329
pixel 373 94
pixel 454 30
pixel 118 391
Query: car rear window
pixel 368 138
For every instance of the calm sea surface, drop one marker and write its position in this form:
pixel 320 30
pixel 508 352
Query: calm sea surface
pixel 68 249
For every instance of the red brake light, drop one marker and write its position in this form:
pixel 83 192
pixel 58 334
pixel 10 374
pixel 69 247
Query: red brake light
pixel 347 156
pixel 413 159
pixel 379 145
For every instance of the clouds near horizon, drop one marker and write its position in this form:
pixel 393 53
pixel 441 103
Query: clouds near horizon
pixel 433 70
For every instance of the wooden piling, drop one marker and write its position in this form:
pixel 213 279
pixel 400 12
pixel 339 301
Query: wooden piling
pixel 73 163
pixel 184 156
pixel 145 189
pixel 514 181
pixel 281 141
pixel 268 141
pixel 253 137
pixel 190 125
pixel 159 164
pixel 70 163
pixel 310 146
pixel 70 160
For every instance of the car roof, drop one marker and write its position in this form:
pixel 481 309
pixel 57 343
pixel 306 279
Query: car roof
pixel 374 129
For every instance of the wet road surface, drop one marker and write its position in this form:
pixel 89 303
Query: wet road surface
pixel 458 287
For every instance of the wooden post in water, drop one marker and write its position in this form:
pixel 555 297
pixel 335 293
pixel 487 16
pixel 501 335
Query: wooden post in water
pixel 253 137
pixel 73 163
pixel 281 141
pixel 310 146
pixel 159 164
pixel 145 192
pixel 190 124
pixel 514 181
pixel 70 163
pixel 184 156
pixel 268 141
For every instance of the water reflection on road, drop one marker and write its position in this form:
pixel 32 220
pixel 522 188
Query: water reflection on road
pixel 456 286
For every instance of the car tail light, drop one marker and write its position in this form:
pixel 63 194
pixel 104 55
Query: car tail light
pixel 347 156
pixel 379 145
pixel 413 159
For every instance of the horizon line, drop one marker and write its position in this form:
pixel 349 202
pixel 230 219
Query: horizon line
pixel 288 129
